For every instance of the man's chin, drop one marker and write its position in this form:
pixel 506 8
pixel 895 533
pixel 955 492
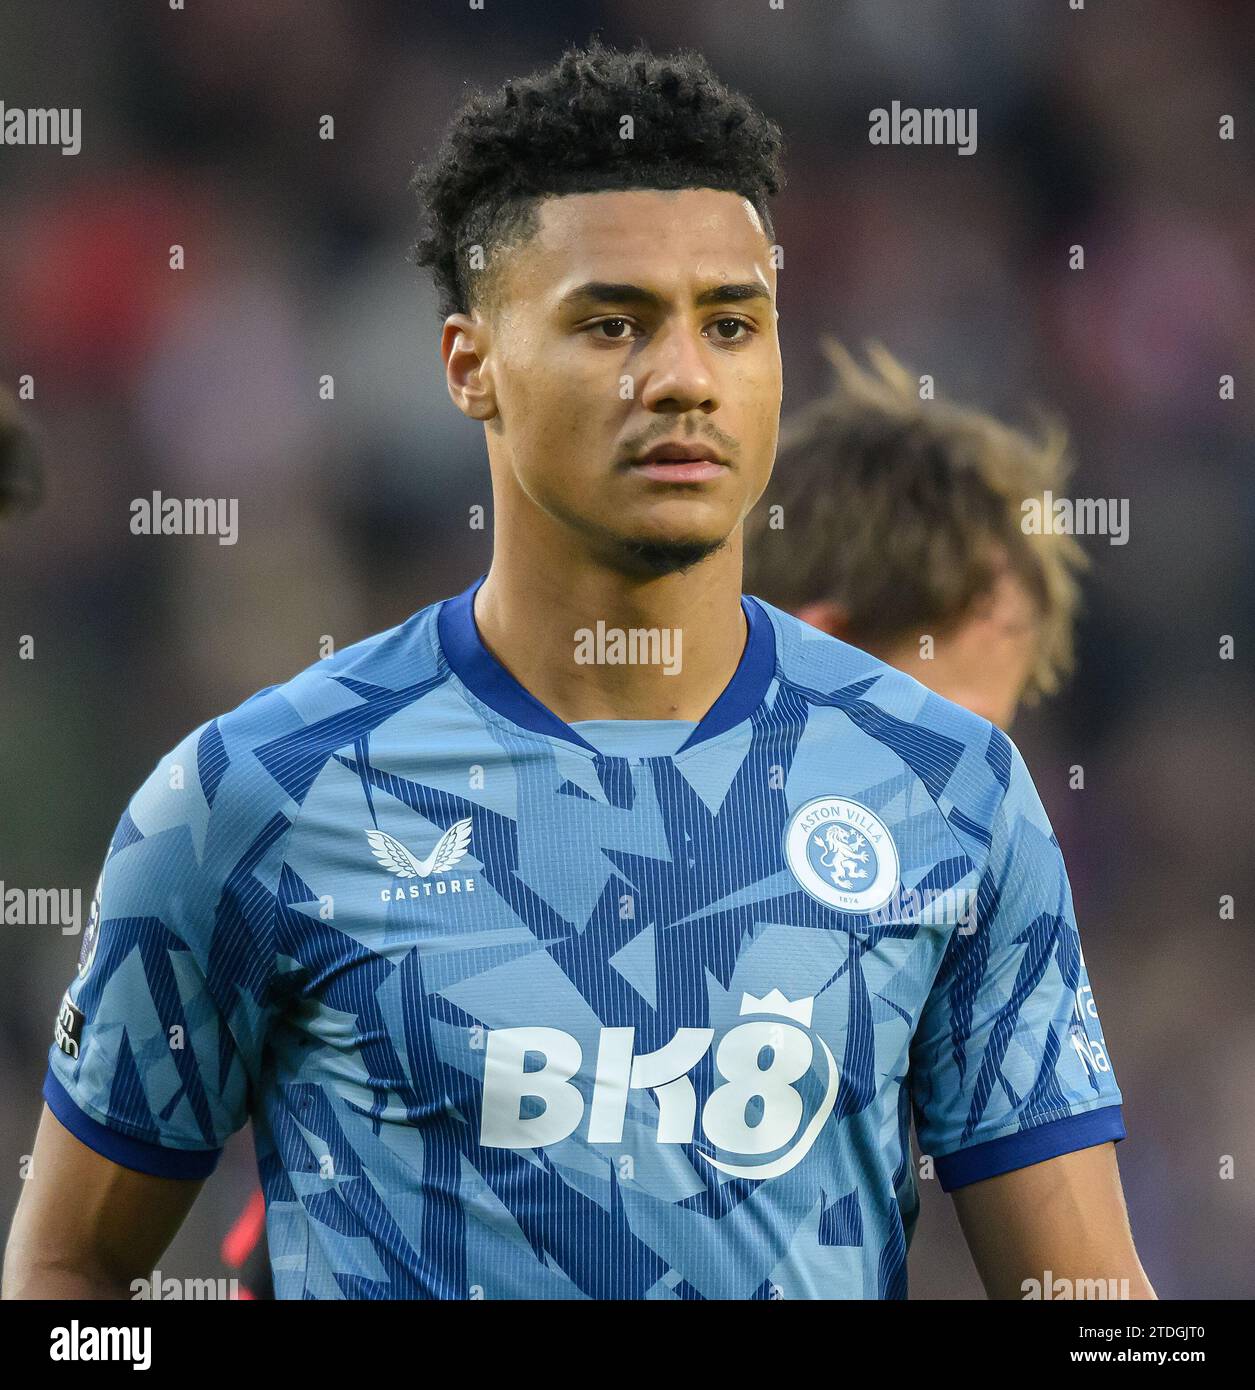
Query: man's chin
pixel 657 557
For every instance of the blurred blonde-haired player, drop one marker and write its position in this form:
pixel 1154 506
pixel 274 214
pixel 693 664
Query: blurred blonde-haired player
pixel 894 523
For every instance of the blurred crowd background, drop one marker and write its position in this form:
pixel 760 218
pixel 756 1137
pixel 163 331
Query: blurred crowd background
pixel 200 128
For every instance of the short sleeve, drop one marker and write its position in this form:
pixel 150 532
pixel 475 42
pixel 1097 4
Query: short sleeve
pixel 159 1037
pixel 1008 1064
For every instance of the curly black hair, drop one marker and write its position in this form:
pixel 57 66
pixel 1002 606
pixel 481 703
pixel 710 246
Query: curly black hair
pixel 559 132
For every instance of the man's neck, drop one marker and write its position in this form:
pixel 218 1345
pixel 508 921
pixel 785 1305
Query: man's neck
pixel 591 643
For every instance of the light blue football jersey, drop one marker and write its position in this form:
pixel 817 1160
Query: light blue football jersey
pixel 521 1014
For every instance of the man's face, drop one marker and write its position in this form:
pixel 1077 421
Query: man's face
pixel 627 321
pixel 985 661
pixel 982 662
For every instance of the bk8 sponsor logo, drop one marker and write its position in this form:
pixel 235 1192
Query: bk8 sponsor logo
pixel 758 1109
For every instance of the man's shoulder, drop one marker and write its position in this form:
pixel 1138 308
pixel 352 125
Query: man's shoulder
pixel 249 768
pixel 964 760
pixel 392 666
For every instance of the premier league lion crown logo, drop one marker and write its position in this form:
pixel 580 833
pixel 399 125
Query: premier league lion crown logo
pixel 91 936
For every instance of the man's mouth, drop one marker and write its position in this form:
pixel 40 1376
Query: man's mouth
pixel 681 470
pixel 680 463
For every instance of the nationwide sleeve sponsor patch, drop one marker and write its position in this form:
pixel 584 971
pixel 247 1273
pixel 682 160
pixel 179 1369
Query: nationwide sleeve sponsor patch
pixel 69 1030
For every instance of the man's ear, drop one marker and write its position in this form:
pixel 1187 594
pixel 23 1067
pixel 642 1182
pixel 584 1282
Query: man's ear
pixel 827 616
pixel 462 345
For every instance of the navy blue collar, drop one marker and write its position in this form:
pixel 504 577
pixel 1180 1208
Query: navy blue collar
pixel 487 679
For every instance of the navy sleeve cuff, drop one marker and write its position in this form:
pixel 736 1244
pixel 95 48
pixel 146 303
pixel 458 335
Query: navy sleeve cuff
pixel 119 1148
pixel 1030 1146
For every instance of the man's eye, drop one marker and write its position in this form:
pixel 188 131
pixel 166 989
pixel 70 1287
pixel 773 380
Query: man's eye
pixel 622 330
pixel 733 324
pixel 617 330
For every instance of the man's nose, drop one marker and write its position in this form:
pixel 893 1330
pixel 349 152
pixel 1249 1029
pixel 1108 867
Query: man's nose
pixel 677 374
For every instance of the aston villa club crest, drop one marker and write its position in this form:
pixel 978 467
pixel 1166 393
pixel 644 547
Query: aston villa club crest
pixel 842 854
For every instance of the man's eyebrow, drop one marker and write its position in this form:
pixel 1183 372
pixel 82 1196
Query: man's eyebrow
pixel 732 294
pixel 611 292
